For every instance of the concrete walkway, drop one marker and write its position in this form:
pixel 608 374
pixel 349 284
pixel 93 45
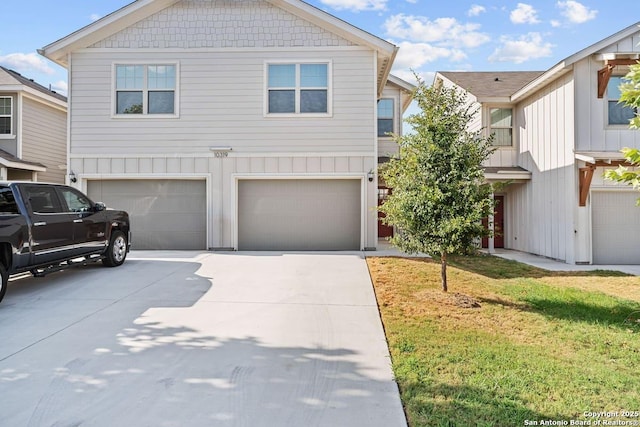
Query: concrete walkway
pixel 385 249
pixel 198 339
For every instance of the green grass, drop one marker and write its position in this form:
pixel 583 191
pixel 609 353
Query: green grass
pixel 541 346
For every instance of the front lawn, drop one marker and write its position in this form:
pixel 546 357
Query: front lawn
pixel 510 344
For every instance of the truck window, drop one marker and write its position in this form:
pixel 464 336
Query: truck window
pixel 8 203
pixel 76 201
pixel 43 199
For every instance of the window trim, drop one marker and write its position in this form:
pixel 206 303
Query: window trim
pixel 145 91
pixel 12 133
pixel 297 63
pixel 606 107
pixel 489 127
pixel 393 116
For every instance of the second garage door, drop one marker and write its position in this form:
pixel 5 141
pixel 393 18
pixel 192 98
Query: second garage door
pixel 165 214
pixel 615 220
pixel 299 214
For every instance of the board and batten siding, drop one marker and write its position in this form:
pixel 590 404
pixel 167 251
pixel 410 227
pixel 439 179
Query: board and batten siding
pixel 596 134
pixel 221 97
pixel 44 139
pixel 539 214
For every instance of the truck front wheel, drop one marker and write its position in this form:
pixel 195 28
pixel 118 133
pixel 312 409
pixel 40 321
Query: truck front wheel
pixel 116 251
pixel 3 281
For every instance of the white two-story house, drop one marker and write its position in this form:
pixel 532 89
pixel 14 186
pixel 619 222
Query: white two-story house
pixel 556 132
pixel 231 124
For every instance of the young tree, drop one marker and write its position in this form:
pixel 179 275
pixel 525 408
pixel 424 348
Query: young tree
pixel 439 193
pixel 630 95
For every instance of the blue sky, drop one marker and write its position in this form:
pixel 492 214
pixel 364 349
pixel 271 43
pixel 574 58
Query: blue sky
pixel 454 35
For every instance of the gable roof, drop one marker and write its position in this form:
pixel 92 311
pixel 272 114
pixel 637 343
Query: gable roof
pixel 491 85
pixel 565 65
pixel 12 78
pixel 140 9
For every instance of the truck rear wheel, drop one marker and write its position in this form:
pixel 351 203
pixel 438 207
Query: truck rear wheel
pixel 116 251
pixel 3 281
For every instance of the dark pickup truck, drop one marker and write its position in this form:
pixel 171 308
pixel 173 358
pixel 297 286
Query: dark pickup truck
pixel 48 227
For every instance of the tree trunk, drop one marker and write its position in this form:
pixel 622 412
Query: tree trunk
pixel 443 271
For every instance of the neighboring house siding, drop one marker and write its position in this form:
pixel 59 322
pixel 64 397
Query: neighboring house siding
pixel 44 139
pixel 596 134
pixel 221 98
pixel 539 215
pixel 387 147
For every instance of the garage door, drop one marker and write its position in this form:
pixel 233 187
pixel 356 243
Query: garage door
pixel 299 214
pixel 616 221
pixel 165 214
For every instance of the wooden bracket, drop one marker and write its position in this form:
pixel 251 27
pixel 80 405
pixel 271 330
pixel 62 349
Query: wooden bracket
pixel 585 176
pixel 605 73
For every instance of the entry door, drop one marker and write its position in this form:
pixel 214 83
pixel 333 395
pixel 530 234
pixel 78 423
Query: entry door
pixel 384 230
pixel 498 224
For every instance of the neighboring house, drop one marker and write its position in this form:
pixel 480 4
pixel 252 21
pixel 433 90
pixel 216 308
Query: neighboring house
pixel 244 124
pixel 557 132
pixel 33 130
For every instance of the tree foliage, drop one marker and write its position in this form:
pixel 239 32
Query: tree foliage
pixel 630 96
pixel 439 193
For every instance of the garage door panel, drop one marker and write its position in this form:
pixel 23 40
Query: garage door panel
pixel 615 219
pixel 299 214
pixel 165 214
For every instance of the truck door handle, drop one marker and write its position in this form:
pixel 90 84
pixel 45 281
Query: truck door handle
pixel 38 224
pixel 77 220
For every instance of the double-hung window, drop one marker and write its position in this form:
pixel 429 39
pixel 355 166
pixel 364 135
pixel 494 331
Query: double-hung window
pixel 298 88
pixel 501 126
pixel 619 113
pixel 6 115
pixel 145 89
pixel 385 117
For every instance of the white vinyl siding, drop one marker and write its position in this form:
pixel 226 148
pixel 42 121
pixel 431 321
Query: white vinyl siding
pixel 539 215
pixel 221 104
pixel 44 139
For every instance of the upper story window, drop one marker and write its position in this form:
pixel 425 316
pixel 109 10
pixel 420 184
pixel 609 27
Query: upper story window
pixel 6 115
pixel 619 114
pixel 501 126
pixel 385 116
pixel 145 89
pixel 298 88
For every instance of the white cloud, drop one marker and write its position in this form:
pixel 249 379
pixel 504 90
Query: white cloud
pixel 25 62
pixel 446 32
pixel 524 14
pixel 415 55
pixel 61 87
pixel 555 23
pixel 476 10
pixel 94 17
pixel 412 1
pixel 356 5
pixel 576 12
pixel 526 47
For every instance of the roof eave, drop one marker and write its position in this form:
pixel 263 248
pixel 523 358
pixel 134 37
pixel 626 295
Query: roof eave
pixel 557 71
pixel 120 19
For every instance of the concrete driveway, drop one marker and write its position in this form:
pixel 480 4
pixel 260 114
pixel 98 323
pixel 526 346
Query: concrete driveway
pixel 198 339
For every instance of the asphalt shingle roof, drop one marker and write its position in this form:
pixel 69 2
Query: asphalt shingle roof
pixel 32 84
pixel 491 83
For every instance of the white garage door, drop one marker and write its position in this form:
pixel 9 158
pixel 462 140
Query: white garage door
pixel 165 214
pixel 299 214
pixel 616 225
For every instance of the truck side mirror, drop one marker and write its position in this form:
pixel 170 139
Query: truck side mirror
pixel 99 206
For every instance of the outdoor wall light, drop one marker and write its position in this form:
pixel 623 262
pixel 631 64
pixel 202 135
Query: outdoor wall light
pixel 72 177
pixel 370 175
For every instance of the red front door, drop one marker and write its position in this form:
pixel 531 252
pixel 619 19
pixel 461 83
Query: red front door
pixel 498 224
pixel 383 229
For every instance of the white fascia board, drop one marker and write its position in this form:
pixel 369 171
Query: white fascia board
pixel 548 76
pixel 593 156
pixel 24 166
pixel 102 28
pixel 402 84
pixel 36 95
pixel 508 176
